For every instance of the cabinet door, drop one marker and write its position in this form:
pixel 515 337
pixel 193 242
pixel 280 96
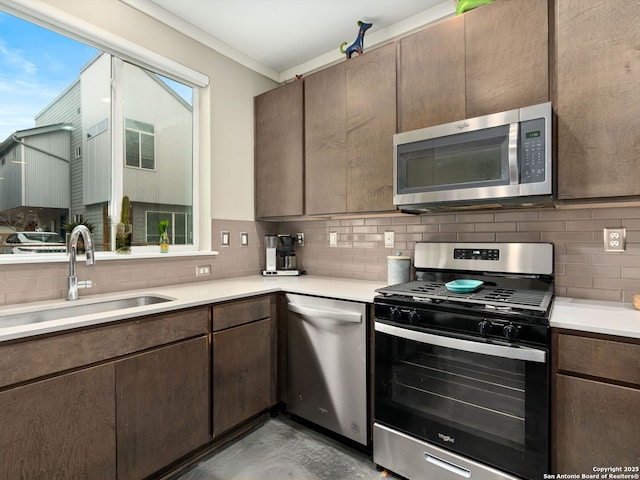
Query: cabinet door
pixel 507 60
pixel 279 161
pixel 598 98
pixel 243 375
pixel 595 425
pixel 162 406
pixel 326 141
pixel 60 428
pixel 370 124
pixel 431 76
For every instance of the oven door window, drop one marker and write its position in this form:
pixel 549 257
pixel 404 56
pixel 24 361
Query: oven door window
pixel 491 408
pixel 465 160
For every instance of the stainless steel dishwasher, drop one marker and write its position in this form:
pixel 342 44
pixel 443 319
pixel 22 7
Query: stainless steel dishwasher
pixel 327 364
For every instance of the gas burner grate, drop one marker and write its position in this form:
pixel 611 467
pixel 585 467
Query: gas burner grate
pixel 485 294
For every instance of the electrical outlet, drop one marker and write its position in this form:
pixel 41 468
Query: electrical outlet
pixel 389 239
pixel 300 239
pixel 615 239
pixel 203 270
pixel 333 239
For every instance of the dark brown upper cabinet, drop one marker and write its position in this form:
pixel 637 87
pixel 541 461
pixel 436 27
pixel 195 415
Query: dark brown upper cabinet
pixel 598 99
pixel 279 150
pixel 491 59
pixel 350 119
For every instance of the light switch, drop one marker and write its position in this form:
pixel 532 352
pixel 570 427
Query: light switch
pixel 333 239
pixel 224 239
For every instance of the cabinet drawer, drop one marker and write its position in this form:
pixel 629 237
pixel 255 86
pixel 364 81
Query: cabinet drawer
pixel 599 358
pixel 232 314
pixel 31 359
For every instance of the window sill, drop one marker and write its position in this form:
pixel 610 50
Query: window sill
pixel 136 254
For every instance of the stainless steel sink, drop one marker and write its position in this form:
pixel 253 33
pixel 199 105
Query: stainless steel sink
pixel 14 320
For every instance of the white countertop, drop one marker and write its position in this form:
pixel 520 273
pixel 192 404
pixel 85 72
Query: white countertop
pixel 185 296
pixel 596 316
pixel 610 318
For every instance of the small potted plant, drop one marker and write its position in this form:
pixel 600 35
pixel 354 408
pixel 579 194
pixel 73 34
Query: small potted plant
pixel 164 236
pixel 124 230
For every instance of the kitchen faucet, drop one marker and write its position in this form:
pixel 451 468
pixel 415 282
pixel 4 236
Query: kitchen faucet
pixel 72 281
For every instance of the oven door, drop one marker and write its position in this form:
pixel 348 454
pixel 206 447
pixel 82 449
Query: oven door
pixel 480 399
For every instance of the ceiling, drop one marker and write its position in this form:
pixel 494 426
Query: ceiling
pixel 282 38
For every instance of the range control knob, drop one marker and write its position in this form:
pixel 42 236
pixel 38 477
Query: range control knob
pixel 394 312
pixel 414 316
pixel 510 331
pixel 484 327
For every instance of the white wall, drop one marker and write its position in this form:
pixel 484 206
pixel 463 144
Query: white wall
pixel 226 128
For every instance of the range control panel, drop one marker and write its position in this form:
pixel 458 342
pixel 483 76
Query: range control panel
pixel 476 254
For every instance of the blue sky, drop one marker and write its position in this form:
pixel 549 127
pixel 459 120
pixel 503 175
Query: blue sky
pixel 36 65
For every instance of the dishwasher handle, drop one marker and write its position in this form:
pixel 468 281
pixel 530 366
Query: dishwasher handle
pixel 338 316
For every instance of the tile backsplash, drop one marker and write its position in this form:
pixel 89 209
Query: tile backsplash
pixel 583 269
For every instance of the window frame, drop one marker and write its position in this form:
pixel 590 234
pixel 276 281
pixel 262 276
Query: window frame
pixel 48 16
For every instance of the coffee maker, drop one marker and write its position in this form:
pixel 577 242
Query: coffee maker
pixel 280 255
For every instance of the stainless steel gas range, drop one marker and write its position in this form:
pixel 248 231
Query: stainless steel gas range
pixel 462 363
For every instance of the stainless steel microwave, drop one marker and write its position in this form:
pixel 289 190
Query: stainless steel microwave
pixel 502 158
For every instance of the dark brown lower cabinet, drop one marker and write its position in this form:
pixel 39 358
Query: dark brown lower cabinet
pixel 596 402
pixel 242 373
pixel 60 428
pixel 162 406
pixel 597 425
pixel 117 401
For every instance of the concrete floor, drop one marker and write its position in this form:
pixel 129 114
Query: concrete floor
pixel 283 449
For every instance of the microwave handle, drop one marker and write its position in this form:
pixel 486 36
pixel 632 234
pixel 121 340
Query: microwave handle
pixel 514 353
pixel 514 168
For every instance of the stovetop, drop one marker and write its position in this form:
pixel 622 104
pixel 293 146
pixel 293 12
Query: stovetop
pixel 513 303
pixel 488 294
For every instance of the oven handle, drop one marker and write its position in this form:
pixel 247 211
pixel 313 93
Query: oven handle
pixel 514 353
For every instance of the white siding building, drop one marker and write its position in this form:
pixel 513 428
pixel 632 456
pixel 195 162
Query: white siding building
pixel 158 133
pixel 34 175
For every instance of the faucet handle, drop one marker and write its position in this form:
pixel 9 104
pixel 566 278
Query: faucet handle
pixel 85 284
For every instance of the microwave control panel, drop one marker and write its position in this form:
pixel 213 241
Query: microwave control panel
pixel 532 151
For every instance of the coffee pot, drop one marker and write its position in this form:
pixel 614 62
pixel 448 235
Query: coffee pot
pixel 287 255
pixel 280 255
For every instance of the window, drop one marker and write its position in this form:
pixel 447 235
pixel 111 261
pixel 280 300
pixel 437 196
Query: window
pixel 179 226
pixel 98 128
pixel 127 130
pixel 139 145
